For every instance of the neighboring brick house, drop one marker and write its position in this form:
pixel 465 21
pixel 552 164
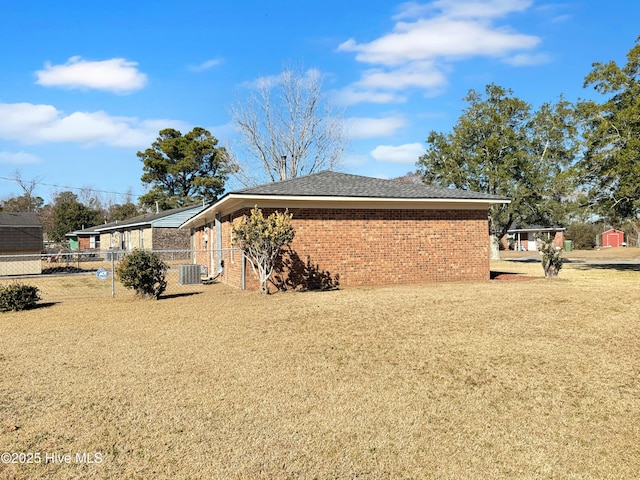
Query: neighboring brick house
pixel 353 230
pixel 152 231
pixel 86 239
pixel 525 238
pixel 21 244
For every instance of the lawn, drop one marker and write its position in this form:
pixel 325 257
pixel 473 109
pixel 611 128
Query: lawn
pixel 531 379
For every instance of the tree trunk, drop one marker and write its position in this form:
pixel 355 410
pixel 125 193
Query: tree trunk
pixel 494 248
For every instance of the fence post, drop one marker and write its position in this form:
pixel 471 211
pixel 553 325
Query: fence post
pixel 113 275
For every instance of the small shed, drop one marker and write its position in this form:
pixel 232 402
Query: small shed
pixel 613 238
pixel 21 243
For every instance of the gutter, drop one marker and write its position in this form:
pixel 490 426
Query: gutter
pixel 241 199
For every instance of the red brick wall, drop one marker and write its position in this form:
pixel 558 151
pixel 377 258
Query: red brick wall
pixel 84 243
pixel 352 247
pixel 558 239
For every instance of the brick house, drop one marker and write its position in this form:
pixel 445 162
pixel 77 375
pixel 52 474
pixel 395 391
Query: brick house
pixel 151 231
pixel 85 239
pixel 525 238
pixel 21 243
pixel 353 230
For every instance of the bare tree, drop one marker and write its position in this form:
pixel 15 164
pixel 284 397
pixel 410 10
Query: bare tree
pixel 287 126
pixel 26 202
pixel 27 186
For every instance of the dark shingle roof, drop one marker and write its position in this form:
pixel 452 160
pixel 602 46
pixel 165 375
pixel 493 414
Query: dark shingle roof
pixel 334 184
pixel 14 219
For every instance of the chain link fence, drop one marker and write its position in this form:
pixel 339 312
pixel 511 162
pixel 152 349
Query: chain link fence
pixel 91 274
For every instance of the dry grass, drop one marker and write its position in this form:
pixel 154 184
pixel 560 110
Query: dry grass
pixel 533 379
pixel 617 253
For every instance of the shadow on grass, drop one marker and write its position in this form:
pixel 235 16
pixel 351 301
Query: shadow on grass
pixel 522 260
pixel 621 267
pixel 178 295
pixel 510 276
pixel 66 270
pixel 40 305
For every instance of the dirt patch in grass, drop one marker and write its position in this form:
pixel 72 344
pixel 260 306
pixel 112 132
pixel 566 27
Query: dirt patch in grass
pixel 466 380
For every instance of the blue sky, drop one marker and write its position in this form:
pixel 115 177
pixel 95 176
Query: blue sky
pixel 84 85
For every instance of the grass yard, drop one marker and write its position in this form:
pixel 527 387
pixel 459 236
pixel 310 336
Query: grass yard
pixel 535 379
pixel 616 253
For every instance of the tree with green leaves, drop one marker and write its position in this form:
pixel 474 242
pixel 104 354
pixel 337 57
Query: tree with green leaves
pixel 22 203
pixel 122 211
pixel 500 146
pixel 69 215
pixel 610 168
pixel 183 169
pixel 262 240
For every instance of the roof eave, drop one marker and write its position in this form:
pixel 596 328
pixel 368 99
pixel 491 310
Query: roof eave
pixel 122 226
pixel 233 200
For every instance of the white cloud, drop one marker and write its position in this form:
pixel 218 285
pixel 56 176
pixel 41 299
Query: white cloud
pixel 361 127
pixel 481 8
pixel 29 123
pixel 206 65
pixel 407 153
pixel 428 38
pixel 439 38
pixel 354 160
pixel 352 95
pixel 18 158
pixel 115 75
pixel 525 59
pixel 412 10
pixel 423 75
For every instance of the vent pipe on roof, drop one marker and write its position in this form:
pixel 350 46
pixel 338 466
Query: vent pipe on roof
pixel 157 208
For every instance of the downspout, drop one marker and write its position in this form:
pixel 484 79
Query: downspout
pixel 210 243
pixel 243 284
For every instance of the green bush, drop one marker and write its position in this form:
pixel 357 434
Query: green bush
pixel 583 235
pixel 17 296
pixel 144 272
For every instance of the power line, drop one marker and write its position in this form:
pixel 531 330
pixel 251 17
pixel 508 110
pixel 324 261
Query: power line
pixel 74 188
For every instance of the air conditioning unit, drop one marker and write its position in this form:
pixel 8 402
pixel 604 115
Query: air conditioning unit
pixel 189 274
